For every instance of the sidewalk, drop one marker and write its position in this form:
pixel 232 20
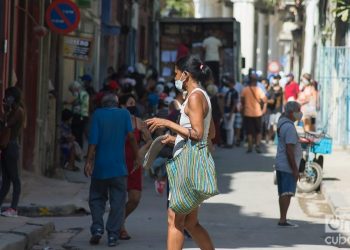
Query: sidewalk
pixel 22 232
pixel 42 196
pixel 336 182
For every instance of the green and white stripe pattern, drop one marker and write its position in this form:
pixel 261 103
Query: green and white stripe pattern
pixel 192 177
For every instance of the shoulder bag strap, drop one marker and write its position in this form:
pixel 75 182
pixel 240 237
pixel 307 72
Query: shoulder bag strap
pixel 254 95
pixel 279 128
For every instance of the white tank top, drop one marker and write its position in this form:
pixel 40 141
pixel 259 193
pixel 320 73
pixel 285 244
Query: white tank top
pixel 185 122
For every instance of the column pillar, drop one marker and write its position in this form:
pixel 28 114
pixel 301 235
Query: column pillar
pixel 311 8
pixel 261 44
pixel 244 12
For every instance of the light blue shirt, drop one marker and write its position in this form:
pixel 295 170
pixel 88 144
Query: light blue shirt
pixel 287 135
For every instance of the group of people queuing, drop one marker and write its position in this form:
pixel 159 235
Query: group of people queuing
pixel 251 111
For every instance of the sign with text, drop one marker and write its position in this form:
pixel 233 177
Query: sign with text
pixel 77 48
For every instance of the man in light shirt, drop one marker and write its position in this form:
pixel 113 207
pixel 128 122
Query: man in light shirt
pixel 212 47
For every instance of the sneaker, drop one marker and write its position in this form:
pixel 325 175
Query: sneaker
pixel 112 241
pixel 249 150
pixel 258 149
pixel 159 186
pixel 95 238
pixel 156 185
pixel 10 212
pixel 287 225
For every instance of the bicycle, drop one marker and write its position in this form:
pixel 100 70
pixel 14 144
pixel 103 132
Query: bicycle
pixel 311 168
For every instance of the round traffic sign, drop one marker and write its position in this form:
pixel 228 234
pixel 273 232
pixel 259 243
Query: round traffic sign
pixel 274 67
pixel 62 16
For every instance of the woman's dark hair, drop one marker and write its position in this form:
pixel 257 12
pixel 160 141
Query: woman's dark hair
pixel 66 115
pixel 14 93
pixel 193 65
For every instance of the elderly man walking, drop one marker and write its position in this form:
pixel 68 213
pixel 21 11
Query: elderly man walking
pixel 289 154
pixel 109 128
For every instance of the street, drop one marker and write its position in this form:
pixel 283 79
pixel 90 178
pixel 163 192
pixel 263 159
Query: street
pixel 243 216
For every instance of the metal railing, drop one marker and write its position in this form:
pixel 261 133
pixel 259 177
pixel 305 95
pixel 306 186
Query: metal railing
pixel 333 76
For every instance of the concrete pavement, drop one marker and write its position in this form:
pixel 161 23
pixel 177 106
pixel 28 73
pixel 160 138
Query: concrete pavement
pixel 243 216
pixel 336 183
pixel 22 232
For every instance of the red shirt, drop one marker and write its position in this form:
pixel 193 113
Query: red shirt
pixel 291 90
pixel 182 51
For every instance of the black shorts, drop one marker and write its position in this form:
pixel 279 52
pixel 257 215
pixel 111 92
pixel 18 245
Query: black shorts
pixel 252 125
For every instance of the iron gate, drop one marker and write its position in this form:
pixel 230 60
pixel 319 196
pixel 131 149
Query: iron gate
pixel 333 76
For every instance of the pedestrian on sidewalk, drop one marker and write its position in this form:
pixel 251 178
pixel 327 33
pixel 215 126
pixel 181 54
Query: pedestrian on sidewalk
pixel 213 49
pixel 70 149
pixel 254 106
pixel 134 182
pixel 109 127
pixel 308 98
pixel 14 119
pixel 196 125
pixel 289 154
pixel 79 102
pixel 291 90
pixel 276 108
pixel 230 109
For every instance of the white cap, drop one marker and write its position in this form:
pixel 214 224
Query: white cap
pixel 168 100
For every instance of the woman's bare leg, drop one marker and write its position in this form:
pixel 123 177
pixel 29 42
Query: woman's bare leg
pixel 176 225
pixel 198 233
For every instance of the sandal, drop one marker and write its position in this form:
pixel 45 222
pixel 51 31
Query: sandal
pixel 123 235
pixel 74 168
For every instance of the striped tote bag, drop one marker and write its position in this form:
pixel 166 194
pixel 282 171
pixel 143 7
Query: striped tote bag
pixel 192 177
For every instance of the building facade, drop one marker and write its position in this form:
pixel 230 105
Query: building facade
pixel 31 57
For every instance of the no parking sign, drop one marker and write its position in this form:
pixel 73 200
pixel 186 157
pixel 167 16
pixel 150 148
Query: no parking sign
pixel 63 16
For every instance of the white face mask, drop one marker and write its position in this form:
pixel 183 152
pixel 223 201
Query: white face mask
pixel 298 115
pixel 179 83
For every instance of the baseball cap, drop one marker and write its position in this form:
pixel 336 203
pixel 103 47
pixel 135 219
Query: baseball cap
pixel 113 85
pixel 86 77
pixel 168 100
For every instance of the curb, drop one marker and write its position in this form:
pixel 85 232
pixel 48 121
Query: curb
pixel 25 236
pixel 46 211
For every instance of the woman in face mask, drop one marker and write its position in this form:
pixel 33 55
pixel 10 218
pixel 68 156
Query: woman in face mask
pixel 308 98
pixel 134 186
pixel 196 125
pixel 14 120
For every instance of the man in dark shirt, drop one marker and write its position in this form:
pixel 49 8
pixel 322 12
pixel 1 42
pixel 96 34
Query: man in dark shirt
pixel 230 108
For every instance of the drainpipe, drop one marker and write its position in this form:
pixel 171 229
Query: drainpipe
pixel 133 37
pixel 41 164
